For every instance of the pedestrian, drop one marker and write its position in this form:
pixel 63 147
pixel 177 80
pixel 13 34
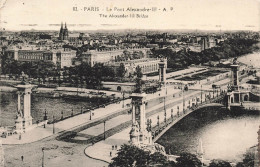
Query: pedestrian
pixel 115 147
pixel 110 153
pixel 22 157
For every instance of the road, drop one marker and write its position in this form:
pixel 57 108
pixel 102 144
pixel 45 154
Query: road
pixel 60 153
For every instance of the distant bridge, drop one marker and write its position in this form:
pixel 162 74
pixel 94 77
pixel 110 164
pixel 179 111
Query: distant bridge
pixel 163 127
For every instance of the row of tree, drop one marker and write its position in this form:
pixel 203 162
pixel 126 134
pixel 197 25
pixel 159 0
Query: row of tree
pixel 92 76
pixel 82 75
pixel 227 49
pixel 129 156
pixel 40 70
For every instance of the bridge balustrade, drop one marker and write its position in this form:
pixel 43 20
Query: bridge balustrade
pixel 156 130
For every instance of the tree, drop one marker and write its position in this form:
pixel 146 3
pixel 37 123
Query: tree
pixel 158 159
pixel 130 155
pixel 188 160
pixel 121 70
pixel 248 160
pixel 219 163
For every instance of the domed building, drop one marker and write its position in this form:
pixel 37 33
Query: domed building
pixel 64 32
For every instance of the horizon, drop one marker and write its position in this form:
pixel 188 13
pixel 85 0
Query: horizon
pixel 134 29
pixel 207 15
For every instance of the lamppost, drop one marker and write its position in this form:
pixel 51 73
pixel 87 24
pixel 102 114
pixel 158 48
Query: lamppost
pixel 164 107
pixel 183 102
pixel 172 114
pixel 165 117
pixel 53 127
pixel 43 157
pixel 104 130
pixel 45 117
pixel 72 112
pixel 61 115
pixel 158 122
pixel 123 99
pixel 90 114
pixel 201 93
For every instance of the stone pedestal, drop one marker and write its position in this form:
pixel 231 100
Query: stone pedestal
pixel 23 121
pixel 235 77
pixel 139 134
pixel 162 70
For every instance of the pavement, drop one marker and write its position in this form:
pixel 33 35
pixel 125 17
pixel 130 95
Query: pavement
pixel 65 125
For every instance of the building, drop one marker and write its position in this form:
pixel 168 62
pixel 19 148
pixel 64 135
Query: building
pixel 64 58
pixel 204 43
pixel 147 65
pixel 64 32
pixel 29 55
pixel 109 55
pixel 60 57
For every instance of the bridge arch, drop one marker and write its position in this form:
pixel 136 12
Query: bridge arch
pixel 180 115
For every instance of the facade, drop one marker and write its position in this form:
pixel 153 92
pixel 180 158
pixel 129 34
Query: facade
pixel 65 58
pixel 147 65
pixel 29 55
pixel 107 56
pixel 207 42
pixel 60 58
pixel 204 43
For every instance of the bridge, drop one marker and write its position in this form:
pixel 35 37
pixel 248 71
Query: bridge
pixel 163 127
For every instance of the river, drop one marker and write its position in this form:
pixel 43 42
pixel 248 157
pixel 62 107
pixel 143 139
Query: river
pixel 252 59
pixel 224 136
pixel 53 106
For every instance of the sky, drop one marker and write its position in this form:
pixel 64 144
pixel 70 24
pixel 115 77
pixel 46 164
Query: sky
pixel 179 14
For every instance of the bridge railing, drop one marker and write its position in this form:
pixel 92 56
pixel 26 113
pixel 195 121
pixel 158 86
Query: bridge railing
pixel 157 129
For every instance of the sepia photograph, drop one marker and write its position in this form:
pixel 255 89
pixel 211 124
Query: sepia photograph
pixel 129 83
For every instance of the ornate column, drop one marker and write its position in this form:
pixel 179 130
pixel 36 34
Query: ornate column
pixel 139 134
pixel 162 70
pixel 23 121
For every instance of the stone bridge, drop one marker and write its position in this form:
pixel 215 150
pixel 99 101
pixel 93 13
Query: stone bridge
pixel 163 127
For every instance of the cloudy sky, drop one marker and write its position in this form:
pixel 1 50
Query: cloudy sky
pixel 185 14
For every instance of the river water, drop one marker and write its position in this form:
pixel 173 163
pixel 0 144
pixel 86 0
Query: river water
pixel 251 59
pixel 53 106
pixel 224 136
